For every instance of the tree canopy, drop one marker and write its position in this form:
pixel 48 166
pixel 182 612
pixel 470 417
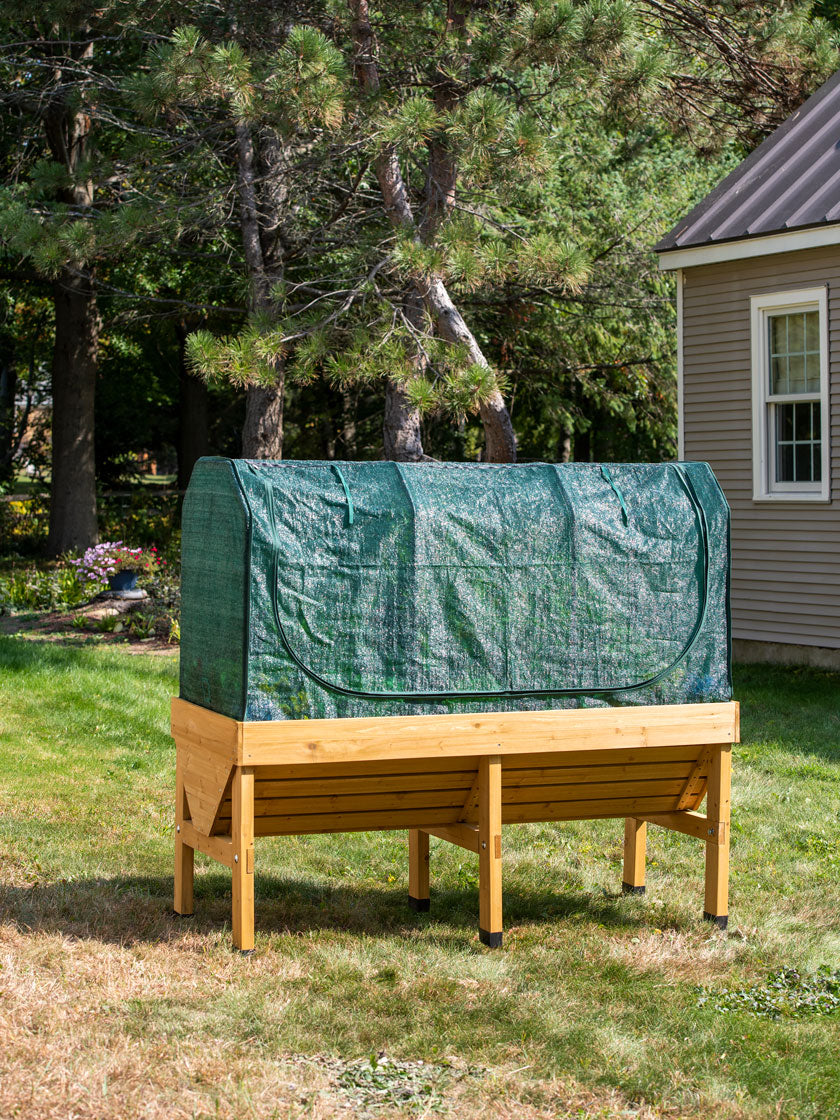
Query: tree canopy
pixel 348 229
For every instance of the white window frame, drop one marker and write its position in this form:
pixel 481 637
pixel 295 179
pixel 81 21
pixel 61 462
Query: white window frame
pixel 765 489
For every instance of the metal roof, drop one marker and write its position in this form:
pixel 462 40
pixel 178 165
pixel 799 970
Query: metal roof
pixel 791 181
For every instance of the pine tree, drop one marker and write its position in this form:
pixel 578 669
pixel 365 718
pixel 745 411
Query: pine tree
pixel 63 213
pixel 273 100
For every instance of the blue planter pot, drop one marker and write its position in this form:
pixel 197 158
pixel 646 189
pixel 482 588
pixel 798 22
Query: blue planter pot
pixel 126 580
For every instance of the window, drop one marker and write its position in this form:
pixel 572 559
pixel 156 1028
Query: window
pixel 790 396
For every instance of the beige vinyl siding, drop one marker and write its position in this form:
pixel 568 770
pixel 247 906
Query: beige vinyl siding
pixel 785 555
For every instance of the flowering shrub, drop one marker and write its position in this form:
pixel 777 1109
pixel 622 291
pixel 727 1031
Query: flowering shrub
pixel 104 560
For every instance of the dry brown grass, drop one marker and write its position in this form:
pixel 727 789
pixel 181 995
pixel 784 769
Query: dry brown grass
pixel 69 1050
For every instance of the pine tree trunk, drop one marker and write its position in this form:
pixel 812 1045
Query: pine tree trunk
pixel 348 424
pixel 499 436
pixel 193 401
pixel 8 393
pixel 73 524
pixel 262 432
pixel 500 440
pixel 401 429
pixel 565 446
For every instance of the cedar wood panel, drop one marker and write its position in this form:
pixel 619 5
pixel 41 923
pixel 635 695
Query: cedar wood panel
pixel 785 555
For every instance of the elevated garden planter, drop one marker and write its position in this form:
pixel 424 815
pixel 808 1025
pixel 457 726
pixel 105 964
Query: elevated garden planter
pixel 447 649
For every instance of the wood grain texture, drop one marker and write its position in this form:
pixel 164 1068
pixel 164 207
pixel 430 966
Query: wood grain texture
pixel 242 868
pixel 418 864
pixel 635 844
pixel 490 845
pixel 450 736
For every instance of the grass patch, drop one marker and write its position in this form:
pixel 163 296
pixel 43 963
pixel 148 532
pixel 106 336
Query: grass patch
pixel 352 1005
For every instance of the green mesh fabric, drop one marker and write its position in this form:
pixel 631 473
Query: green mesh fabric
pixel 321 589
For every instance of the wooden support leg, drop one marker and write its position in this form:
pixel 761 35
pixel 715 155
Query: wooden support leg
pixel 184 854
pixel 242 835
pixel 418 870
pixel 717 845
pixel 635 843
pixel 490 851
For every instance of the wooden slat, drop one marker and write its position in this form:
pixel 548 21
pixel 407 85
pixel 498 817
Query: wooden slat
pixel 206 773
pixel 428 767
pixel 191 723
pixel 471 735
pixel 378 768
pixel 695 785
pixel 469 810
pixel 533 812
pixel 592 757
pixel 595 791
pixel 669 789
pixel 375 783
pixel 366 802
pixel 568 775
pixel 217 847
pixel 691 823
pixel 352 822
pixel 463 835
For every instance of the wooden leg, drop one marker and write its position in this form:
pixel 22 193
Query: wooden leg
pixel 717 846
pixel 490 851
pixel 184 854
pixel 242 834
pixel 418 869
pixel 635 844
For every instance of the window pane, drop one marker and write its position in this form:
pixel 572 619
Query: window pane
pixel 784 462
pixel 812 331
pixel 779 375
pixel 778 334
pixel 802 422
pixel 796 374
pixel 812 373
pixel 794 352
pixel 784 422
pixel 794 368
pixel 798 442
pixel 796 334
pixel 802 462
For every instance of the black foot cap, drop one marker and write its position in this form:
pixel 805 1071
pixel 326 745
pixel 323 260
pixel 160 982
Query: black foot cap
pixel 419 905
pixel 244 952
pixel 177 914
pixel 720 920
pixel 491 940
pixel 628 888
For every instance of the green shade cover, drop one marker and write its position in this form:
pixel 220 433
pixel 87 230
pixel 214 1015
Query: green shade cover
pixel 324 589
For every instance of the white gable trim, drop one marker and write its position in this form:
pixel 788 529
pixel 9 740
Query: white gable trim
pixel 788 242
pixel 680 370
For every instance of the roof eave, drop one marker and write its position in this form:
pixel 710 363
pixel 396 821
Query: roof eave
pixel 786 241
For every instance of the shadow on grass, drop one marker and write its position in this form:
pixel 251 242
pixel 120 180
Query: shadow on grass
pixel 132 910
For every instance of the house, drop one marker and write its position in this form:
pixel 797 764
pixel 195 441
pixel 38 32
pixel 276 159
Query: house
pixel 758 311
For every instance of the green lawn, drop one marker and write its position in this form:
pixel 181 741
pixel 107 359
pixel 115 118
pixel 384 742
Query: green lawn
pixel 112 1007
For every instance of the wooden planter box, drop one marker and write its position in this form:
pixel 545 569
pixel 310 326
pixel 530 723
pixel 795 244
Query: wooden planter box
pixel 458 777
